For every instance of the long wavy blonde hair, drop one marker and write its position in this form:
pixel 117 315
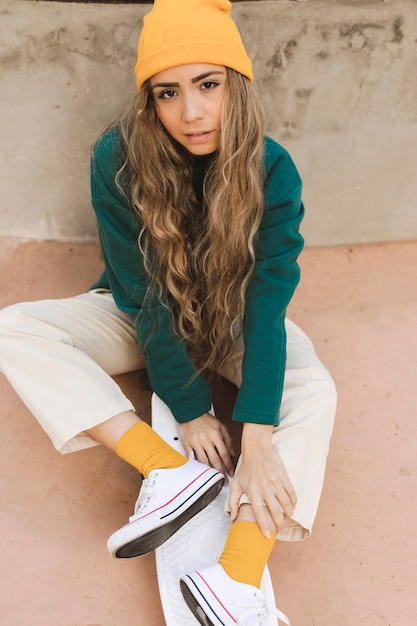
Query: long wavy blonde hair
pixel 199 259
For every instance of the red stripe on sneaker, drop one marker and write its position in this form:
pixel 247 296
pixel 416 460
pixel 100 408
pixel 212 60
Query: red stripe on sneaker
pixel 216 596
pixel 173 498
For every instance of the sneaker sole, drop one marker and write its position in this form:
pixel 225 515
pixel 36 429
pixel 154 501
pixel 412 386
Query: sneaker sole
pixel 194 607
pixel 155 538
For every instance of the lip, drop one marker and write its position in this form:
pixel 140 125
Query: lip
pixel 199 136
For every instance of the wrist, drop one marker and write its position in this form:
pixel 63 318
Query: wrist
pixel 256 434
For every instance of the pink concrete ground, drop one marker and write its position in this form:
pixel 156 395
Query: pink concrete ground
pixel 359 305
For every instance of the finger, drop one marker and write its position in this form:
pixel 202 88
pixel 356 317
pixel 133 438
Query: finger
pixel 234 498
pixel 291 493
pixel 201 455
pixel 261 517
pixel 276 514
pixel 228 440
pixel 187 449
pixel 214 459
pixel 282 502
pixel 287 498
pixel 224 453
pixel 218 453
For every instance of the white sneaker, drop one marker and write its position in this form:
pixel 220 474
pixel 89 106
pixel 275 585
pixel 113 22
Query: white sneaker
pixel 167 499
pixel 215 599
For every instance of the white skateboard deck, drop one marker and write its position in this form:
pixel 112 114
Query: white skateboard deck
pixel 197 544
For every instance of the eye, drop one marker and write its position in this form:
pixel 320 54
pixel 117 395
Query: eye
pixel 209 84
pixel 166 94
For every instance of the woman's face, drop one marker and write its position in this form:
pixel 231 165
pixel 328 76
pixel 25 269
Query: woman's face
pixel 188 101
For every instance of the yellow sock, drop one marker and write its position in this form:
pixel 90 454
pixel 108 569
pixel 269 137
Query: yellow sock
pixel 143 448
pixel 246 553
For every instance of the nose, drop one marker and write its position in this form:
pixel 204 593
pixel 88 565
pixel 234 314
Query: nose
pixel 191 108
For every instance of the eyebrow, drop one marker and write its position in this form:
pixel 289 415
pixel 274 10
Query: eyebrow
pixel 193 80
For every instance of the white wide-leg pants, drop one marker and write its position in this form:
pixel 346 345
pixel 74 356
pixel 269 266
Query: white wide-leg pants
pixel 59 355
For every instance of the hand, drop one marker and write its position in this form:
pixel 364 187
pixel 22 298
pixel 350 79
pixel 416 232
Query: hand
pixel 264 479
pixel 210 441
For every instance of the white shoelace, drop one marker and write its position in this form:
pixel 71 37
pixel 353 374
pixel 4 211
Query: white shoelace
pixel 143 497
pixel 259 613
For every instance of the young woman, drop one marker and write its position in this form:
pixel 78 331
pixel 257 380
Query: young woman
pixel 198 215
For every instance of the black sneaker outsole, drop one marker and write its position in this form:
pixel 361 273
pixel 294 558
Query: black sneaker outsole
pixel 194 607
pixel 155 538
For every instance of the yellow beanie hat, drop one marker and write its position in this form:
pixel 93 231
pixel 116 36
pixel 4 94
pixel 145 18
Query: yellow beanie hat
pixel 177 32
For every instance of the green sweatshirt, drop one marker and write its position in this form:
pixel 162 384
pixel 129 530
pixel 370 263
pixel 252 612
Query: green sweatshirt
pixel 271 287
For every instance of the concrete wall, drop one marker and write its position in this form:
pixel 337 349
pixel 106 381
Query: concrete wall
pixel 338 79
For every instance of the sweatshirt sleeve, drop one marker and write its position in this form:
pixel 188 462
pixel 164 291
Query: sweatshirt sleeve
pixel 172 375
pixel 270 290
